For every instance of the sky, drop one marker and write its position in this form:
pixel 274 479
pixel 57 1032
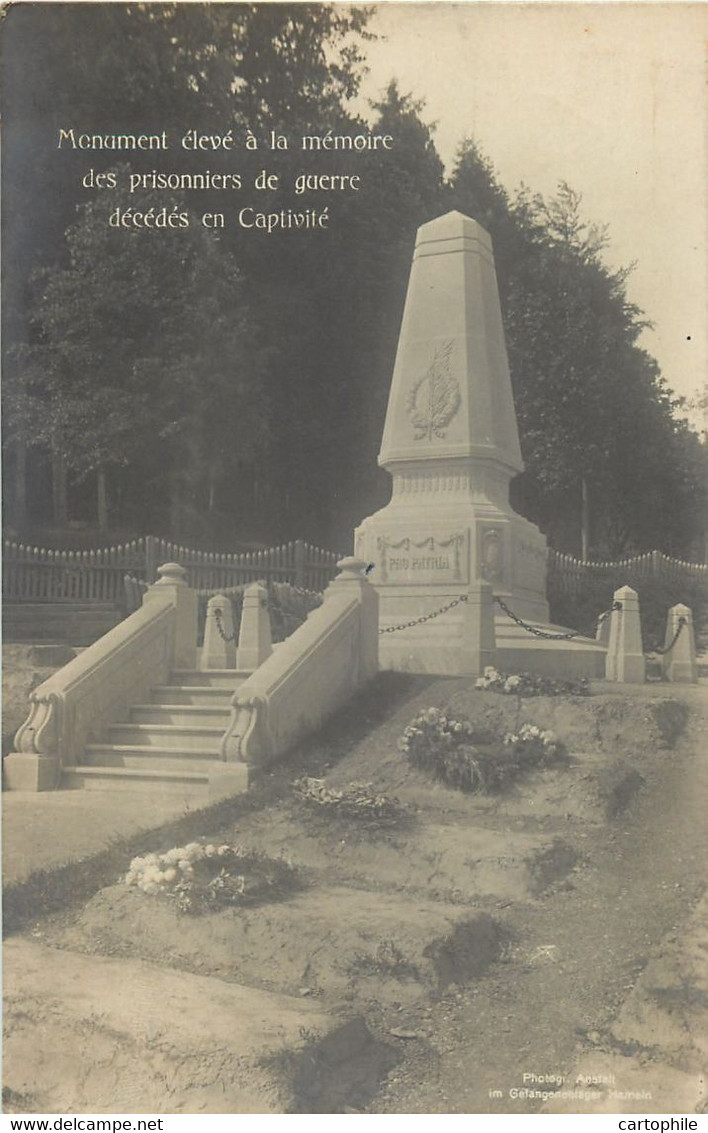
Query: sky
pixel 609 97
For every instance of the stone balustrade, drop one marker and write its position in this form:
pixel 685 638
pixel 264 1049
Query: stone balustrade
pixel 311 674
pixel 97 687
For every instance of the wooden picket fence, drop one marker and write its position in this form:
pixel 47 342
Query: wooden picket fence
pixel 572 576
pixel 38 574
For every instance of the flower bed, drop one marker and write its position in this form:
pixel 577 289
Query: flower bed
pixel 358 801
pixel 206 878
pixel 470 759
pixel 529 684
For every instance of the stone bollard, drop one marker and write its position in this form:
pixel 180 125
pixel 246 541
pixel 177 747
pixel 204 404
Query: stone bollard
pixel 352 579
pixel 172 584
pixel 254 640
pixel 625 654
pixel 679 663
pixel 479 638
pixel 219 651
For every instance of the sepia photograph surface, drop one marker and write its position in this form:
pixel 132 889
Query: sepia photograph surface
pixel 355 559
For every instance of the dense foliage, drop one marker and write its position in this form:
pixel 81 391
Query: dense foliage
pixel 232 385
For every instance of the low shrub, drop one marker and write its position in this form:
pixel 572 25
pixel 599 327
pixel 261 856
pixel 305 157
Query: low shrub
pixel 529 684
pixel 206 878
pixel 453 752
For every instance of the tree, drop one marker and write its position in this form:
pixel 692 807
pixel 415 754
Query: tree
pixel 604 454
pixel 145 354
pixel 144 68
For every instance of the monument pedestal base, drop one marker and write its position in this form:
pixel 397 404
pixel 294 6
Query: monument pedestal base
pixel 448 528
pixel 441 647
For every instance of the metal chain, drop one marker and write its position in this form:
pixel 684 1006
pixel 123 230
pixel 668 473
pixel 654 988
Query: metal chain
pixel 534 629
pixel 667 648
pixel 606 613
pixel 224 637
pixel 425 617
pixel 530 629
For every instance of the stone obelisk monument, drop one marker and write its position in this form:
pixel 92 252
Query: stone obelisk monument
pixel 451 445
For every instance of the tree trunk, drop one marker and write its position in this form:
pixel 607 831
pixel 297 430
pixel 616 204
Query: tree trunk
pixel 176 506
pixel 585 521
pixel 60 513
pixel 20 485
pixel 102 500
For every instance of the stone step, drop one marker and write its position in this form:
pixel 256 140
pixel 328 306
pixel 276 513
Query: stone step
pixel 145 758
pixel 189 738
pixel 184 715
pixel 191 785
pixel 191 694
pixel 174 1042
pixel 210 678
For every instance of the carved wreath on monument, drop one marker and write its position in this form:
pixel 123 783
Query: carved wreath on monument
pixel 435 398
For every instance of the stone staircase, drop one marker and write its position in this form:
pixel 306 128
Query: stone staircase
pixel 169 745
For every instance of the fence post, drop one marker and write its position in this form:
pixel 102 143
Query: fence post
pixel 624 661
pixel 300 563
pixel 150 559
pixel 655 564
pixel 254 640
pixel 219 650
pixel 679 663
pixel 478 632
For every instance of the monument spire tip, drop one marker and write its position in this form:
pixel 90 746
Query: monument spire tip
pixel 453 225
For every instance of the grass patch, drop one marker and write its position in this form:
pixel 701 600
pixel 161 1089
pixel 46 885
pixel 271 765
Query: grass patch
pixel 388 961
pixel 671 718
pixel 551 864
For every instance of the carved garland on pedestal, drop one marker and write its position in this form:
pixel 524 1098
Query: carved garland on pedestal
pixel 455 542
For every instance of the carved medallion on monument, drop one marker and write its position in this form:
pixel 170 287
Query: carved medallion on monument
pixel 434 398
pixel 492 555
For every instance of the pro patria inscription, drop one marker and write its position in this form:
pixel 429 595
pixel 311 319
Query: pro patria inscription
pixel 435 558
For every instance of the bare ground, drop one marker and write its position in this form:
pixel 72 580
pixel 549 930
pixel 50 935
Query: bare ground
pixel 481 939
